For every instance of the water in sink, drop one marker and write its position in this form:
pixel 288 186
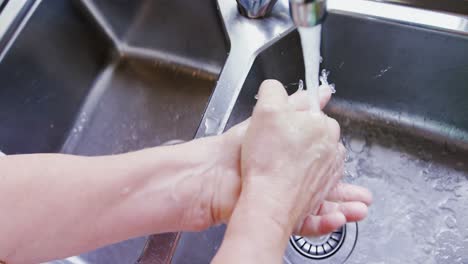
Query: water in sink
pixel 421 191
pixel 420 198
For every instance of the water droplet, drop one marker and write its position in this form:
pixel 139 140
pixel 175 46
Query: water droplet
pixel 451 222
pixel 211 125
pixel 324 80
pixel 300 85
pixel 332 88
pixel 348 159
pixel 325 73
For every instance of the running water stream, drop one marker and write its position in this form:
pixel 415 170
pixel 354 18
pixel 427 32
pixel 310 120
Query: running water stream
pixel 310 40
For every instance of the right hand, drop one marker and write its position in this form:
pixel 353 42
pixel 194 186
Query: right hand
pixel 290 160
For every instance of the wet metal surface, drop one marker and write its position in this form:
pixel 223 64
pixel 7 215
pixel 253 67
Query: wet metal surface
pixel 69 84
pixel 420 195
pixel 248 37
pixel 110 78
pixel 392 78
pixel 139 104
pixel 41 92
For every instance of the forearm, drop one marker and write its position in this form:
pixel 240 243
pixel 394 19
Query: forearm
pixel 257 232
pixel 53 206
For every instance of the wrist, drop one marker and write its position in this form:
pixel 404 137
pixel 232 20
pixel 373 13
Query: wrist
pixel 263 202
pixel 162 189
pixel 254 227
pixel 210 188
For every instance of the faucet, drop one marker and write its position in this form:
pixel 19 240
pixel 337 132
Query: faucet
pixel 304 13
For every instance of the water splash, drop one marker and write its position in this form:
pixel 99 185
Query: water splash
pixel 300 85
pixel 324 80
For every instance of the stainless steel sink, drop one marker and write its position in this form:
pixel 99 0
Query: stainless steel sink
pixel 106 77
pixel 103 77
pixel 402 94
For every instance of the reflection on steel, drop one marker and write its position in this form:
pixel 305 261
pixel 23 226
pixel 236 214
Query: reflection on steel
pixel 248 38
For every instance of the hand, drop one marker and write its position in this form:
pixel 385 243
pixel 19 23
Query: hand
pixel 345 203
pixel 290 159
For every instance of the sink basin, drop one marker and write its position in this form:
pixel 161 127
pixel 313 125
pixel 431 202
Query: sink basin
pixel 77 80
pixel 401 100
pixel 104 77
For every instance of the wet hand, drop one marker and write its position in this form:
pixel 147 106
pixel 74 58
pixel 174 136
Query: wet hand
pixel 344 203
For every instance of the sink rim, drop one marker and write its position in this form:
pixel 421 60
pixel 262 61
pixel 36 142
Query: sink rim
pixel 408 15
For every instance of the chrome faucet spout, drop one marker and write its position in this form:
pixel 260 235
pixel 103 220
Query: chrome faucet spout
pixel 255 8
pixel 304 13
pixel 308 13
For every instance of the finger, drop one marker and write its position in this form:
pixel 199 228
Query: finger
pixel 300 100
pixel 353 211
pixel 339 166
pixel 344 192
pixel 240 129
pixel 333 129
pixel 342 150
pixel 271 97
pixel 325 93
pixel 314 225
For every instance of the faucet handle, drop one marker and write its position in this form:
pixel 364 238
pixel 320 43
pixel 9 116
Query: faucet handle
pixel 308 13
pixel 255 8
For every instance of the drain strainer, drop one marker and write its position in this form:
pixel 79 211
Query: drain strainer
pixel 333 248
pixel 319 247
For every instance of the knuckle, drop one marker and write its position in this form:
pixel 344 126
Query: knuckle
pixel 268 109
pixel 319 125
pixel 267 84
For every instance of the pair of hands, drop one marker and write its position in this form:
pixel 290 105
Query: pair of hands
pixel 281 168
pixel 288 159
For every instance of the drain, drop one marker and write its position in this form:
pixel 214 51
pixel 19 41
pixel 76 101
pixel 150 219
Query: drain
pixel 319 247
pixel 333 248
